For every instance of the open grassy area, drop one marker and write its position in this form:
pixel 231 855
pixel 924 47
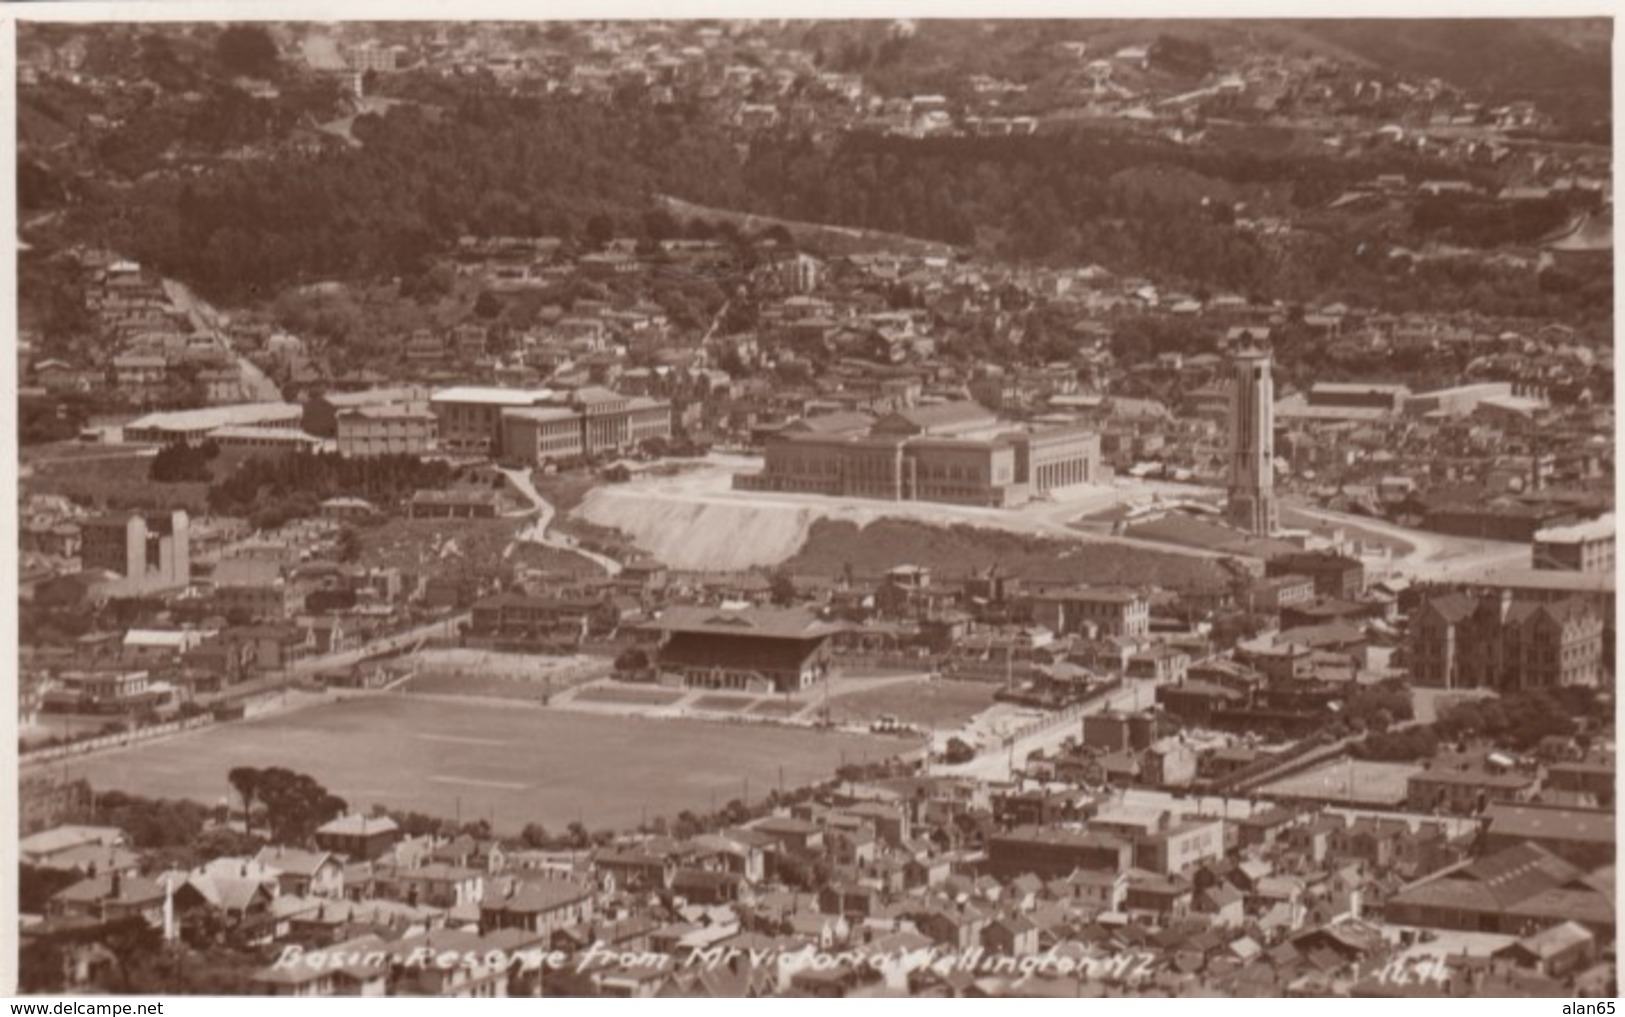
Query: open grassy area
pixel 777 708
pixel 1187 531
pixel 531 555
pixel 116 479
pixel 940 702
pixel 564 491
pixel 723 704
pixel 833 546
pixel 518 764
pixel 633 696
pixel 480 685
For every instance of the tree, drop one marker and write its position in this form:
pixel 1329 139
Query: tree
pixel 487 305
pixel 248 50
pixel 129 940
pixel 534 835
pixel 296 804
pixel 349 545
pixel 783 589
pixel 36 887
pixel 600 231
pixel 245 780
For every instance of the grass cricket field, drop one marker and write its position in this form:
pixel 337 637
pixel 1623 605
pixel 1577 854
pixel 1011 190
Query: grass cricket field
pixel 512 763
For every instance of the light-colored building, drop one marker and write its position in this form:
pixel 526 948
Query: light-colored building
pixel 958 453
pixel 395 429
pixel 470 417
pixel 322 411
pixel 1251 506
pixel 1108 611
pixel 152 554
pixel 196 426
pixel 589 421
pixel 266 439
pixel 1583 547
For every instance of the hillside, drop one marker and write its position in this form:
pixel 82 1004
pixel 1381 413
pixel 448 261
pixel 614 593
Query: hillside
pixel 1509 57
pixel 833 546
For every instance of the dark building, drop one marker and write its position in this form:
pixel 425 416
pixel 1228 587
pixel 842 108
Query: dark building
pixel 1334 575
pixel 756 650
pixel 1051 854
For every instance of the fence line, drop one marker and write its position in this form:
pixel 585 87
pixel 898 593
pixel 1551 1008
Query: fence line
pixel 110 741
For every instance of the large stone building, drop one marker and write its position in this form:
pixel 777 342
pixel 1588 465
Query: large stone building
pixel 533 425
pixel 470 417
pixel 586 422
pixel 959 453
pixel 1251 506
pixel 1463 641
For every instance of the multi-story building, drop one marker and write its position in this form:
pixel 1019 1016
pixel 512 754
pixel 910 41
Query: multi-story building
pixel 1466 641
pixel 140 377
pixel 106 691
pixel 1466 788
pixel 1583 547
pixel 587 422
pixel 957 453
pixel 1334 575
pixel 152 554
pixel 1050 853
pixel 1180 847
pixel 321 412
pixel 1109 611
pixel 757 650
pixel 470 417
pixel 397 429
pixel 536 425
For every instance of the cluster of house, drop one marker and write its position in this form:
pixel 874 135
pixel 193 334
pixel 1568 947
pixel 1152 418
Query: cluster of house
pixel 886 878
pixel 153 354
pixel 1519 446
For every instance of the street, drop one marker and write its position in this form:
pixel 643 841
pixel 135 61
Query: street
pixel 996 764
pixel 257 386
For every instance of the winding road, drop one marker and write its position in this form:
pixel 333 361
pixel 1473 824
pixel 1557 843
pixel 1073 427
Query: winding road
pixel 536 532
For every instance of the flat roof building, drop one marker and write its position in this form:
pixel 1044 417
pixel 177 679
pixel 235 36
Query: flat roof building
pixel 194 426
pixel 1583 547
pixel 470 417
pixel 956 453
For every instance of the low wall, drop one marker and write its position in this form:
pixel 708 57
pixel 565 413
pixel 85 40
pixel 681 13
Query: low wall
pixel 84 746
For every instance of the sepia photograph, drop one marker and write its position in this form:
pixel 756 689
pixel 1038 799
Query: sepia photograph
pixel 882 508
